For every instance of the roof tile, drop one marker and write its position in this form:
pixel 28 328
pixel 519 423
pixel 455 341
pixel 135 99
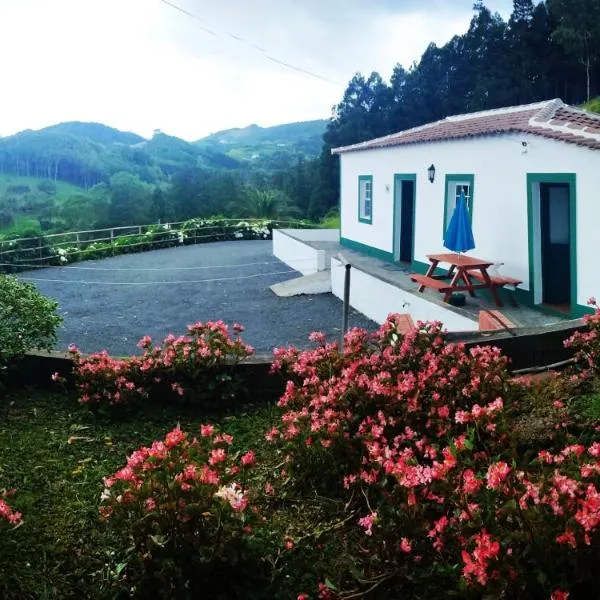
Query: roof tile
pixel 551 119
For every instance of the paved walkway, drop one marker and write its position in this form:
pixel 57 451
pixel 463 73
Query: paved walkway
pixel 112 303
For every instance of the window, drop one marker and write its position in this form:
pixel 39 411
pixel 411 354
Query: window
pixel 455 184
pixel 365 199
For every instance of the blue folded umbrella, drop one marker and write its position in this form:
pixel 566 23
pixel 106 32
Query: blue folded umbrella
pixel 459 235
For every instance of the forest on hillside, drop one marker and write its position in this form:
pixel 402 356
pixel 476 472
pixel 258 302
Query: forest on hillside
pixel 548 49
pixel 545 50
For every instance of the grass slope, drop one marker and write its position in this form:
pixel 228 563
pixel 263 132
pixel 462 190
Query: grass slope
pixel 56 454
pixel 63 189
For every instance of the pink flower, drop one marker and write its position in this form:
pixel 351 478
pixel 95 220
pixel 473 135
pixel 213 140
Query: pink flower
pixel 206 430
pixel 496 474
pixel 559 595
pixel 248 459
pixel 150 504
pixel 368 522
pixel 288 543
pixel 405 545
pixel 317 337
pixel 55 376
pixel 175 437
pixel 145 342
pixel 217 455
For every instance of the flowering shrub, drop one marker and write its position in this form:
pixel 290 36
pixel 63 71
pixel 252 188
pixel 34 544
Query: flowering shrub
pixel 151 237
pixel 28 320
pixel 586 344
pixel 417 431
pixel 184 505
pixel 203 359
pixel 7 514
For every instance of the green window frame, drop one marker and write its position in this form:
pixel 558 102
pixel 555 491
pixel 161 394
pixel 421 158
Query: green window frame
pixel 365 199
pixel 454 183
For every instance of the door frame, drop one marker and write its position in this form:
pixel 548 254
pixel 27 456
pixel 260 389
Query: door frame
pixel 397 222
pixel 534 233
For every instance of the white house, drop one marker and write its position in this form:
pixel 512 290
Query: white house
pixel 531 177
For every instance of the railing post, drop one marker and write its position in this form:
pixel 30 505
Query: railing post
pixel 346 302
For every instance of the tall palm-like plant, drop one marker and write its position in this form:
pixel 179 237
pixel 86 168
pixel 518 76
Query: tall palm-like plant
pixel 263 204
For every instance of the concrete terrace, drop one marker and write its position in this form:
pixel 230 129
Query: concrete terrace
pixel 399 276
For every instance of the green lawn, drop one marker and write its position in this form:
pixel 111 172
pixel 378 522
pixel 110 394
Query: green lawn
pixel 23 223
pixel 55 454
pixel 63 189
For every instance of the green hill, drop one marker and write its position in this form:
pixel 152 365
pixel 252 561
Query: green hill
pixel 95 132
pixel 269 147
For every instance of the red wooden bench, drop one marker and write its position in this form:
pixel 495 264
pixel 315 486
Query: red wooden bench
pixel 498 281
pixel 430 282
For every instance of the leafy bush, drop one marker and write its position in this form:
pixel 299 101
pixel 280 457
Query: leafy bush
pixel 417 435
pixel 183 508
pixel 586 344
pixel 202 360
pixel 28 320
pixel 8 514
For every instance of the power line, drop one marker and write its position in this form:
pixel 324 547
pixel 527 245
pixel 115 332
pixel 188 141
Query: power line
pixel 129 269
pixel 155 282
pixel 259 49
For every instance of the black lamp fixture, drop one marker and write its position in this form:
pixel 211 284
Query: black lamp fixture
pixel 431 173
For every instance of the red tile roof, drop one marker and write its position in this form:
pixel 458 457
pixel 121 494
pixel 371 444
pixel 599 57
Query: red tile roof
pixel 551 119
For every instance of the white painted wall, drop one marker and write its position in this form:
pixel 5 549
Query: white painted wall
pixel 500 168
pixel 298 255
pixel 313 235
pixel 376 299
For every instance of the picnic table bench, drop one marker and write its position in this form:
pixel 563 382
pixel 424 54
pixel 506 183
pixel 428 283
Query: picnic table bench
pixel 462 269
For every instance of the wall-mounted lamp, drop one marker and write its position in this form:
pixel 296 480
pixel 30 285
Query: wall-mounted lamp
pixel 524 147
pixel 431 173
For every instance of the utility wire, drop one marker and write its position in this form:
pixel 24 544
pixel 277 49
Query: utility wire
pixel 155 282
pixel 251 45
pixel 129 269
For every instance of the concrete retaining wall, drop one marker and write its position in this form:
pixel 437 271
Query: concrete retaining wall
pixel 373 297
pixel 289 246
pixel 533 347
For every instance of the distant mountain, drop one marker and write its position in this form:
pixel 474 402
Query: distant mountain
pixel 85 154
pixel 281 143
pixel 95 132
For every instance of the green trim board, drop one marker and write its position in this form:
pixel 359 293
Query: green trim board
pixel 369 250
pixel 398 179
pixel 571 180
pixel 458 177
pixel 366 179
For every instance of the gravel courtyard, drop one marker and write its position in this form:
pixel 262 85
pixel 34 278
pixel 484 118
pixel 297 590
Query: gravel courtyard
pixel 178 286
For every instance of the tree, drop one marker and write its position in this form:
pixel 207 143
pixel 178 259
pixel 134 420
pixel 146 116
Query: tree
pixel 130 200
pixel 578 31
pixel 258 203
pixel 76 212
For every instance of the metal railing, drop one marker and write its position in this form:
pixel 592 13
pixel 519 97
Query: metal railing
pixel 117 240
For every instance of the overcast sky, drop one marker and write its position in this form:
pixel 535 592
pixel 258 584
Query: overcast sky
pixel 139 65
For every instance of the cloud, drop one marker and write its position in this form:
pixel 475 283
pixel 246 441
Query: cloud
pixel 140 64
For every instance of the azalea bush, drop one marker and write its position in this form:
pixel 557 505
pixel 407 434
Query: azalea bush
pixel 416 434
pixel 184 510
pixel 201 363
pixel 28 320
pixel 586 344
pixel 7 514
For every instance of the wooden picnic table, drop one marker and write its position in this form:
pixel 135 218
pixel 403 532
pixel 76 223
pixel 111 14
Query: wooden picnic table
pixel 461 266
